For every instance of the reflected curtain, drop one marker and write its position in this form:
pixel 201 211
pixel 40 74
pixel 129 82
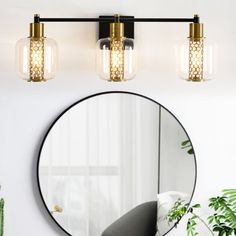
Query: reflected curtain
pixel 100 161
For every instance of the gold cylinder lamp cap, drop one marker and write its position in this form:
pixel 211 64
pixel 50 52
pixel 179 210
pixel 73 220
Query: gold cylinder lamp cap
pixel 36 30
pixel 117 30
pixel 196 30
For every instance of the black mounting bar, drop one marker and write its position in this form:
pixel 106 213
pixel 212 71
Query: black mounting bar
pixel 104 22
pixel 38 19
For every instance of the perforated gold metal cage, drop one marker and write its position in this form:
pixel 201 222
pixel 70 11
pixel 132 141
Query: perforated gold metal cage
pixel 36 59
pixel 36 51
pixel 117 52
pixel 196 52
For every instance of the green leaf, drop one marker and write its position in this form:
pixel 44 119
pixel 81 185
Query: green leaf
pixel 196 206
pixel 190 151
pixel 184 143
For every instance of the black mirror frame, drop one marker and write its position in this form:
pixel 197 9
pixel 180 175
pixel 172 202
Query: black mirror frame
pixel 91 96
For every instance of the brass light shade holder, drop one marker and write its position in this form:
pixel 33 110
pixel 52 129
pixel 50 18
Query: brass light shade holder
pixel 117 30
pixel 36 30
pixel 196 51
pixel 196 31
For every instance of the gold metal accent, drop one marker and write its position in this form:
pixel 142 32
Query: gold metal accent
pixel 196 49
pixel 36 64
pixel 36 29
pixel 196 30
pixel 117 52
pixel 116 30
pixel 196 52
pixel 36 59
pixel 57 209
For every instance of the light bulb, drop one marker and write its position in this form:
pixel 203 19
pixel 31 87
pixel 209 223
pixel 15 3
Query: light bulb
pixel 36 56
pixel 116 59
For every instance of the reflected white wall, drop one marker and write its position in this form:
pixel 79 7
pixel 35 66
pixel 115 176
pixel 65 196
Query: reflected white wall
pixel 177 166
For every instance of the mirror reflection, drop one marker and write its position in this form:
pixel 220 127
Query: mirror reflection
pixel 115 164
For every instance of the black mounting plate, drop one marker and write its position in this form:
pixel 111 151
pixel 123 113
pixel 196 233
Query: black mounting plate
pixel 104 28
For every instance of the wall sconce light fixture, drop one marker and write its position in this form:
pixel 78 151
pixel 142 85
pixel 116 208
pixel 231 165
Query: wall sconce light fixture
pixel 196 58
pixel 116 60
pixel 36 56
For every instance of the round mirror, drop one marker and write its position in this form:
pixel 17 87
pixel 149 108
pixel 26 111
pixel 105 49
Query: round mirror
pixel 115 164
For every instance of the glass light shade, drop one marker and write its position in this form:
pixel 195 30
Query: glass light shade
pixel 194 56
pixel 36 58
pixel 116 59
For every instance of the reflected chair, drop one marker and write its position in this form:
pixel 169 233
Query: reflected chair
pixel 140 221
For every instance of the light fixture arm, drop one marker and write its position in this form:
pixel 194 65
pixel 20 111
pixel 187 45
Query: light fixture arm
pixel 123 19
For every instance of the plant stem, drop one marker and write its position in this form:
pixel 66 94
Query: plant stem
pixel 203 222
pixel 1 217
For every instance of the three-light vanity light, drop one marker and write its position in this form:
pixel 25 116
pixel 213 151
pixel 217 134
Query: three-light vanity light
pixel 116 60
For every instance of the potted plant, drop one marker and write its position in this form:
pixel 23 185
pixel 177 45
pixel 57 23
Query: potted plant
pixel 222 221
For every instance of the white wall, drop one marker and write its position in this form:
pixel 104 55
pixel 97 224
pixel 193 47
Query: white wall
pixel 207 110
